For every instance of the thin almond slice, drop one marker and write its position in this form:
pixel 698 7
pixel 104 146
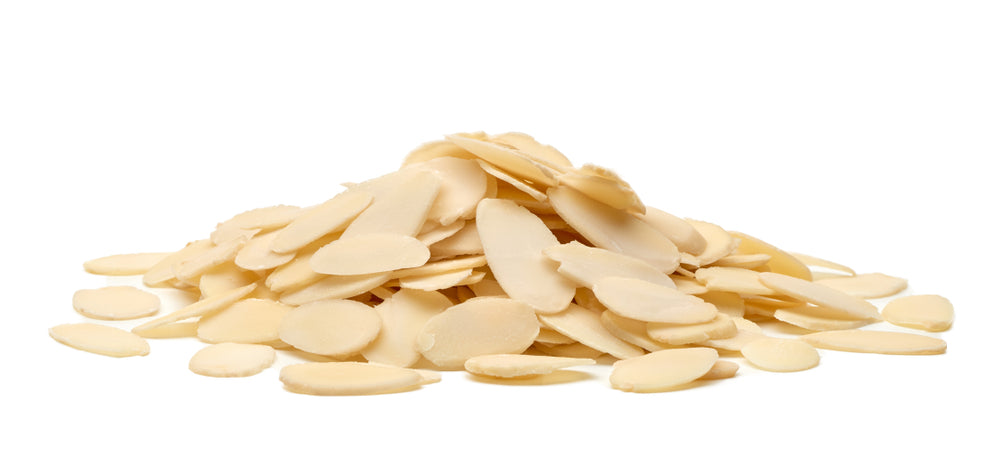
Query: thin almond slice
pixel 264 218
pixel 663 370
pixel 297 273
pixel 403 316
pixel 780 354
pixel 436 149
pixel 223 278
pixel 189 270
pixel 347 378
pixel 534 150
pixel 613 229
pixel 744 261
pixel 718 242
pixel 507 159
pixel 688 285
pixel 817 318
pixel 100 339
pixel 746 331
pixel 876 341
pixel 732 279
pixel 438 233
pixel 488 287
pixel 232 360
pixel 334 287
pixel 681 233
pixel 116 303
pixel 463 185
pixel 722 326
pixel 603 185
pixel 162 273
pixel 587 265
pixel 328 217
pixel 649 302
pixel 463 242
pixel 201 308
pixel 721 370
pixel 572 350
pixel 332 327
pixel 867 285
pixel 371 253
pixel 925 312
pixel 781 261
pixel 817 262
pixel 428 377
pixel 476 327
pixel 520 365
pixel 400 205
pixel 438 281
pixel 510 180
pixel 246 321
pixel 257 255
pixel 630 331
pixel 731 304
pixel 442 266
pixel 124 264
pixel 584 326
pixel 525 196
pixel 513 240
pixel 851 307
pixel 552 337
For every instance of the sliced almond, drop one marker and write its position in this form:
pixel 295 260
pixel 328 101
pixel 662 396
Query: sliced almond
pixel 780 354
pixel 436 149
pixel 507 159
pixel 201 308
pixel 476 327
pixel 649 302
pixel 867 285
pixel 682 234
pixel 463 185
pixel 850 307
pixel 368 254
pixel 722 326
pixel 603 185
pixel 116 303
pixel 876 341
pixel 746 331
pixel 403 316
pixel 401 202
pixel 328 217
pixel 721 370
pixel 334 287
pixel 520 365
pixel 817 318
pixel 438 281
pixel 347 378
pixel 781 261
pixel 662 370
pixel 223 278
pixel 925 312
pixel 438 233
pixel 584 326
pixel 257 255
pixel 744 261
pixel 587 265
pixel 332 327
pixel 732 279
pixel 100 339
pixel 189 270
pixel 124 264
pixel 246 321
pixel 630 331
pixel 232 360
pixel 264 218
pixel 463 242
pixel 718 242
pixel 817 262
pixel 511 180
pixel 162 273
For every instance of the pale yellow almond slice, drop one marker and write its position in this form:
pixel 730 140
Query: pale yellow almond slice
pixel 662 370
pixel 721 370
pixel 722 326
pixel 442 266
pixel 554 222
pixel 507 159
pixel 746 331
pixel 198 309
pixel 475 327
pixel 534 150
pixel 334 287
pixel 297 273
pixel 332 327
pixel 572 350
pixel 100 339
pixel 603 185
pixel 817 318
pixel 823 275
pixel 527 197
pixel 867 285
pixel 124 264
pixel 176 330
pixel 463 242
pixel 403 316
pixel 683 271
pixel 689 261
pixel 438 281
pixel 613 229
pixel 851 307
pixel 876 341
pixel 781 261
pixel 817 262
pixel 488 287
pixel 400 205
pixel 718 242
pixel 463 185
pixel 587 265
pixel 520 365
pixel 744 261
pixel 162 273
pixel 585 297
pixel 630 331
pixel 649 302
pixel 688 285
pixel 257 255
pixel 264 218
pixel 435 149
pixel 780 354
pixel 189 270
pixel 732 279
pixel 584 326
pixel 116 303
pixel 223 278
pixel 231 360
pixel 247 321
pixel 510 180
pixel 371 253
pixel 428 377
pixel 925 312
pixel 731 304
pixel 440 232
pixel 513 240
pixel 552 337
pixel 681 233
pixel 326 218
pixel 347 378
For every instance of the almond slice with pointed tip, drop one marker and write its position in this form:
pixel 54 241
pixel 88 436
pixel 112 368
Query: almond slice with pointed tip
pixel 463 185
pixel 746 331
pixel 189 270
pixel 851 307
pixel 464 242
pixel 507 159
pixel 124 264
pixel 347 378
pixel 436 149
pixel 781 261
pixel 584 326
pixel 403 316
pixel 731 304
pixel 100 339
pixel 718 242
pixel 817 318
pixel 587 265
pixel 721 370
pixel 162 273
pixel 780 354
pixel 440 233
pixel 223 278
pixel 328 217
pixel 743 261
pixel 688 285
pixel 663 370
pixel 442 266
pixel 264 218
pixel 400 204
pixel 732 279
pixel 534 150
pixel 231 360
pixel 438 281
pixel 116 303
pixel 867 285
pixel 520 365
pixel 332 327
pixel 334 287
pixel 247 321
pixel 603 185
pixel 510 180
pixel 476 327
pixel 721 327
pixel 817 262
pixel 630 331
pixel 876 341
pixel 256 254
pixel 198 309
pixel 928 312
pixel 681 233
pixel 649 302
pixel 368 254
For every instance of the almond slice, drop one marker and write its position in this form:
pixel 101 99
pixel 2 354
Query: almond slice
pixel 201 308
pixel 721 327
pixel 400 205
pixel 850 307
pixel 335 287
pixel 476 327
pixel 817 262
pixel 403 316
pixel 584 326
pixel 681 233
pixel 925 312
pixel 368 254
pixel 328 217
pixel 520 365
pixel 649 302
pixel 603 185
pixel 264 218
pixel 663 370
pixel 732 279
pixel 876 341
pixel 718 242
pixel 347 378
pixel 507 159
pixel 817 318
pixel 867 285
pixel 780 354
pixel 331 327
pixel 781 261
pixel 587 265
pixel 247 321
pixel 257 254
pixel 463 185
pixel 124 264
pixel 116 303
pixel 100 339
pixel 231 360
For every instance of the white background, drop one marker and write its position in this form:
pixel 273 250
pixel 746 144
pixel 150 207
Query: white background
pixel 859 131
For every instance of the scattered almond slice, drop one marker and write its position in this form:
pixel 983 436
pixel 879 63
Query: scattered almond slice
pixel 732 279
pixel 189 270
pixel 257 255
pixel 162 273
pixel 124 264
pixel 631 331
pixel 850 307
pixel 721 370
pixel 520 365
pixel 246 321
pixel 603 185
pixel 464 242
pixel 721 327
pixel 781 261
pixel 718 242
pixel 476 327
pixel 436 149
pixel 507 159
pixel 817 262
pixel 663 370
pixel 572 350
pixel 100 339
pixel 264 218
pixel 817 318
pixel 587 265
pixel 437 281
pixel 403 316
pixel 440 232
pixel 400 205
pixel 928 312
pixel 746 331
pixel 328 217
pixel 442 266
pixel 731 304
pixel 552 337
pixel 584 326
pixel 198 309
pixel 867 285
pixel 875 341
pixel 463 185
pixel 331 327
pixel 116 303
pixel 744 261
pixel 223 278
pixel 368 254
pixel 780 354
pixel 510 180
pixel 681 233
pixel 334 287
pixel 649 302
pixel 232 360
pixel 347 378
pixel 688 285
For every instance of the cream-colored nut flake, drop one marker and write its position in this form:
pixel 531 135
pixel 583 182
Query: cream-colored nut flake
pixel 513 240
pixel 463 185
pixel 510 180
pixel 328 217
pixel 162 274
pixel 347 378
pixel 744 261
pixel 722 369
pixel 722 326
pixel 746 331
pixel 257 255
pixel 198 309
pixel 520 365
pixel 817 262
pixel 367 254
pixel 116 303
pixel 100 339
pixel 925 312
pixel 400 205
pixel 246 321
pixel 584 326
pixel 507 159
pixel 442 266
pixel 441 281
pixel 552 337
pixel 403 316
pixel 232 360
pixel 681 233
pixel 631 331
pixel 433 233
pixel 223 278
pixel 124 264
pixel 587 265
pixel 876 341
pixel 572 350
pixel 732 279
pixel 189 270
pixel 817 318
pixel 718 242
pixel 603 185
pixel 264 218
pixel 849 306
pixel 688 285
pixel 331 327
pixel 731 304
pixel 663 370
pixel 436 149
pixel 781 261
pixel 534 150
pixel 463 242
pixel 649 302
pixel 867 285
pixel 780 354
pixel 475 327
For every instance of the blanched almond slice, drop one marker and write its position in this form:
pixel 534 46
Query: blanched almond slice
pixel 603 185
pixel 463 242
pixel 442 266
pixel 722 326
pixel 688 285
pixel 572 350
pixel 231 360
pixel 463 185
pixel 817 318
pixel 725 302
pixel 649 302
pixel 428 377
pixel 488 287
pixel 124 264
pixel 257 255
pixel 332 327
pixel 223 278
pixel 436 149
pixel 662 370
pixel 264 218
pixel 116 303
pixel 746 331
pixel 513 240
pixel 328 217
pixel 198 309
pixel 817 262
pixel 246 321
pixel 534 150
pixel 780 354
pixel 520 365
pixel 732 279
pixel 100 339
pixel 335 287
pixel 875 341
pixel 440 233
pixel 925 312
pixel 867 285
pixel 745 261
pixel 552 337
pixel 507 159
pixel 721 370
pixel 403 316
pixel 476 327
pixel 529 198
pixel 297 273
pixel 613 229
pixel 781 261
pixel 510 180
pixel 162 273
pixel 347 378
pixel 189 270
pixel 681 233
pixel 438 281
pixel 586 265
pixel 371 253
pixel 400 205
pixel 718 242
pixel 631 331
pixel 850 306
pixel 584 326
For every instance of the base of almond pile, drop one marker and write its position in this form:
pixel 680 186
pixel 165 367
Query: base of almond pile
pixel 497 255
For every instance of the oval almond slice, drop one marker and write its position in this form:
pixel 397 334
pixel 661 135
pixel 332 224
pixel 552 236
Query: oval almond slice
pixel 223 278
pixel 162 273
pixel 231 360
pixel 257 255
pixel 510 180
pixel 464 242
pixel 721 370
pixel 534 150
pixel 681 233
pixel 328 217
pixel 247 321
pixel 649 302
pixel 189 270
pixel 507 159
pixel 435 149
pixel 630 331
pixel 817 318
pixel 403 316
pixel 722 326
pixel 264 218
pixel 743 261
pixel 463 185
pixel 513 240
pixel 124 264
pixel 662 370
pixel 603 185
pixel 476 327
pixel 400 204
pixel 851 307
pixel 347 378
pixel 781 261
pixel 198 309
pixel 780 354
pixel 332 327
pixel 925 312
pixel 732 279
pixel 587 265
pixel 116 303
pixel 368 254
pixel 876 341
pixel 438 233
pixel 520 365
pixel 817 262
pixel 867 285
pixel 100 339
pixel 584 326
pixel 746 331
pixel 718 242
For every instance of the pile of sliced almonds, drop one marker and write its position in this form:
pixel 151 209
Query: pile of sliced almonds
pixel 494 254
